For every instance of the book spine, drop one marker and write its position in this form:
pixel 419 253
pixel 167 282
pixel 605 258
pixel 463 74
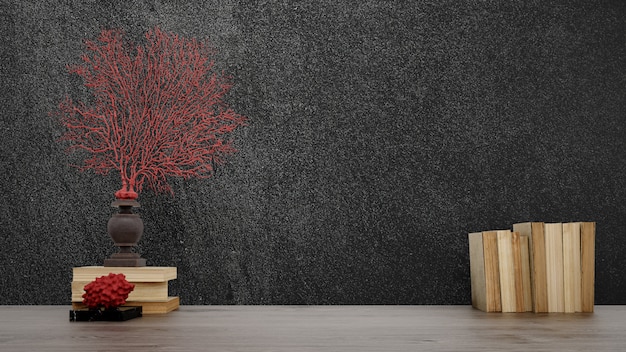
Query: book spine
pixel 143 291
pixel 537 263
pixel 587 244
pixel 492 271
pixel 554 268
pixel 518 272
pixel 507 271
pixel 572 268
pixel 526 282
pixel 477 271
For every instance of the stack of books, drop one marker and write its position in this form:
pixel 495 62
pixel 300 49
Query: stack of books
pixel 535 267
pixel 151 286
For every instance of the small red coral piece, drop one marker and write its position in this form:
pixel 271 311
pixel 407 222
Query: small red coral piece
pixel 122 194
pixel 109 291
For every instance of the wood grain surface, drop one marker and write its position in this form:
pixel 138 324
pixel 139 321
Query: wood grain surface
pixel 316 328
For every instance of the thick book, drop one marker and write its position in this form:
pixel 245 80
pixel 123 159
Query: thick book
pixel 484 272
pixel 587 260
pixel 526 286
pixel 151 286
pixel 572 283
pixel 537 257
pixel 553 233
pixel 506 262
pixel 133 274
pixel 518 271
pixel 143 291
pixel 166 306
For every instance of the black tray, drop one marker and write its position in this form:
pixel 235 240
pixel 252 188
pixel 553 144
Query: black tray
pixel 115 314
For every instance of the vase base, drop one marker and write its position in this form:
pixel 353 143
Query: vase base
pixel 125 259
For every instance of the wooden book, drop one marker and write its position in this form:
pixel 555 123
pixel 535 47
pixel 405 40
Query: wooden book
pixel 143 291
pixel 477 271
pixel 526 286
pixel 554 266
pixel 522 280
pixel 506 263
pixel 166 306
pixel 133 274
pixel 151 285
pixel 538 266
pixel 518 272
pixel 587 244
pixel 572 268
pixel 485 279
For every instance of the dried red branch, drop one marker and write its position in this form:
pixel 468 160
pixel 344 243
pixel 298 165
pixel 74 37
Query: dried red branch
pixel 158 110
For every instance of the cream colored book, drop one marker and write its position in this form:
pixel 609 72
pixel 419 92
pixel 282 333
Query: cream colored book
pixel 587 244
pixel 151 283
pixel 554 266
pixel 162 307
pixel 537 258
pixel 485 280
pixel 506 263
pixel 518 272
pixel 572 283
pixel 143 291
pixel 526 282
pixel 132 274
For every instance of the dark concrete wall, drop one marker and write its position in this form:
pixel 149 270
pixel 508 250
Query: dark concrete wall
pixel 382 132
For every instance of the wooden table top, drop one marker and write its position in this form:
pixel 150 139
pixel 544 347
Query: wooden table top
pixel 315 328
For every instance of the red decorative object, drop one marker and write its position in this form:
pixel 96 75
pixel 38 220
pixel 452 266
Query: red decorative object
pixel 109 291
pixel 158 110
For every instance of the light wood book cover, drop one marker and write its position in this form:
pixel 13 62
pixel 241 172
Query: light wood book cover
pixel 133 274
pixel 554 269
pixel 485 279
pixel 143 291
pixel 526 286
pixel 507 271
pixel 587 244
pixel 170 304
pixel 538 266
pixel 518 270
pixel 477 271
pixel 572 268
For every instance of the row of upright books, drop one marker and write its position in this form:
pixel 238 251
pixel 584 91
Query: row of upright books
pixel 535 267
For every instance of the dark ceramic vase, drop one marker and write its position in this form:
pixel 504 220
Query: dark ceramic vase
pixel 125 228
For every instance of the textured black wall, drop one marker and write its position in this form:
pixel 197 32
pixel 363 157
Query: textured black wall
pixel 382 132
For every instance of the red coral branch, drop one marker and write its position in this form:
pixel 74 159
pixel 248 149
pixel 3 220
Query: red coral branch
pixel 107 291
pixel 158 110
